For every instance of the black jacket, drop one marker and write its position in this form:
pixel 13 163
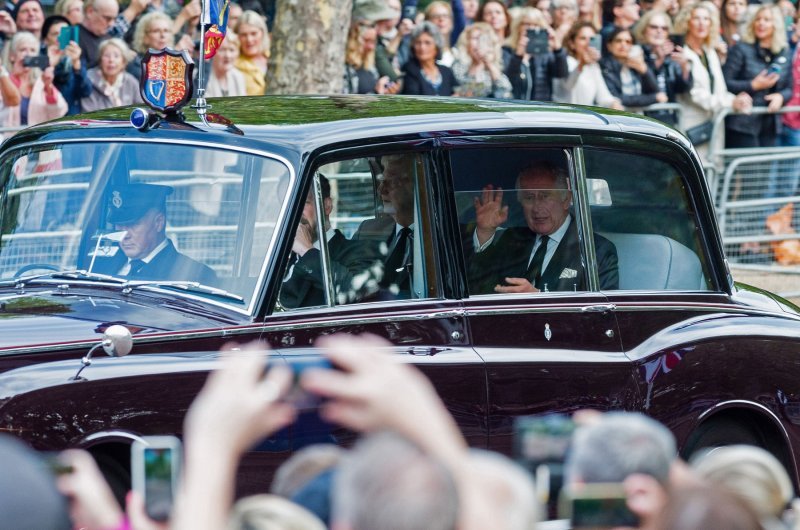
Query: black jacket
pixel 611 69
pixel 509 253
pixel 745 61
pixel 535 80
pixel 414 83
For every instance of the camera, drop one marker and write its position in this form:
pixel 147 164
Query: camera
pixel 36 61
pixel 538 42
pixel 155 468
pixel 599 505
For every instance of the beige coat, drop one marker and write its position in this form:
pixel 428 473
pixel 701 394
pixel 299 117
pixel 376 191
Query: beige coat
pixel 701 104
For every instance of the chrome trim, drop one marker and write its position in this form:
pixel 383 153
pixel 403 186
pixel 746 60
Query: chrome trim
pixel 321 321
pixel 259 287
pixel 588 307
pixel 102 435
pixel 584 218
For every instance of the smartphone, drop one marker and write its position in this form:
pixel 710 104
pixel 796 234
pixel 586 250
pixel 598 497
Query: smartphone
pixel 67 34
pixel 596 42
pixel 537 42
pixel 602 505
pixel 297 396
pixel 774 68
pixel 677 39
pixel 409 12
pixel 36 61
pixel 155 469
pixel 540 445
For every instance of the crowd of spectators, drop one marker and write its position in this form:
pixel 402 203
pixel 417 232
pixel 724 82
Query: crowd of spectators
pixel 410 469
pixel 700 56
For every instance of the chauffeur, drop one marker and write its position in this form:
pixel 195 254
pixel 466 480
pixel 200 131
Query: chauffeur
pixel 545 255
pixel 140 210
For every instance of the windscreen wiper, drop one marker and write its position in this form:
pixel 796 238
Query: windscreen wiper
pixel 194 287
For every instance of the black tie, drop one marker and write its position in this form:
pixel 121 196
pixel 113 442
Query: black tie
pixel 136 266
pixel 535 268
pixel 396 259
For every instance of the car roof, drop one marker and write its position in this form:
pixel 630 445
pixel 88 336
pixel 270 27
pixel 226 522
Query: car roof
pixel 307 122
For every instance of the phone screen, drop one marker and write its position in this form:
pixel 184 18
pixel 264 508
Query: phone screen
pixel 596 42
pixel 158 486
pixel 601 506
pixel 542 442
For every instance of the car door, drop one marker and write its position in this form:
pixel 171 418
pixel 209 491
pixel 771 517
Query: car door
pixel 360 198
pixel 548 351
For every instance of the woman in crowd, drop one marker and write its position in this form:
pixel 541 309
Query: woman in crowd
pixel 495 13
pixel 478 66
pixel 789 184
pixel 69 72
pixel 563 14
pixel 733 19
pixel 254 52
pixel 709 94
pixel 759 65
pixel 585 84
pixel 532 75
pixel 72 10
pixel 590 11
pixel 441 14
pixel 154 30
pixel 626 73
pixel 360 74
pixel 224 79
pixel 38 99
pixel 112 86
pixel 664 59
pixel 423 76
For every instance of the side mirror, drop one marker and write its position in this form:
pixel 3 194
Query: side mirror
pixel 117 342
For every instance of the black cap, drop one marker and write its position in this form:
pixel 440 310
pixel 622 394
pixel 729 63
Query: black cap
pixel 129 203
pixel 49 21
pixel 19 6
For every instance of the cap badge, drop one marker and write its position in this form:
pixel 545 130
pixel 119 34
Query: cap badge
pixel 116 200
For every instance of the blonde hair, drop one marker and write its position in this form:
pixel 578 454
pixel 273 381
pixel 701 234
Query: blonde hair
pixel 641 27
pixel 10 48
pixel 143 26
pixel 682 21
pixel 251 18
pixel 525 13
pixel 484 29
pixel 354 50
pixel 61 7
pixel 779 41
pixel 270 512
pixel 751 473
pixel 127 54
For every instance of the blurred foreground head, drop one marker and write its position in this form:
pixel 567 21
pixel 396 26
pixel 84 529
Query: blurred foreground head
pixel 385 481
pixel 28 495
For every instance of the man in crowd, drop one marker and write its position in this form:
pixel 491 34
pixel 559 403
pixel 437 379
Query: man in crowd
pixel 350 262
pixel 29 16
pixel 99 17
pixel 145 252
pixel 545 255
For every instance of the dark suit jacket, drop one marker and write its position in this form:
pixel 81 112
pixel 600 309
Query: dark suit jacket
pixel 379 234
pixel 508 256
pixel 352 264
pixel 169 264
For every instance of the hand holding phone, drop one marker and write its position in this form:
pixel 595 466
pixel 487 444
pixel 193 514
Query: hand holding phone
pixel 67 34
pixel 600 506
pixel 155 468
pixel 538 42
pixel 36 61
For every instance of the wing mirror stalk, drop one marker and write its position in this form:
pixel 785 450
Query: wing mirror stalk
pixel 117 342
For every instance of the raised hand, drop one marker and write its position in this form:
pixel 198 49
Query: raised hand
pixel 489 212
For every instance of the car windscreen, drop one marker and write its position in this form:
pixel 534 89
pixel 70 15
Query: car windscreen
pixel 175 216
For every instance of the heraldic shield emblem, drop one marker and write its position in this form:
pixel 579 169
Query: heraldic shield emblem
pixel 167 82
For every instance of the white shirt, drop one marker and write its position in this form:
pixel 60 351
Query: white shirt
pixel 147 259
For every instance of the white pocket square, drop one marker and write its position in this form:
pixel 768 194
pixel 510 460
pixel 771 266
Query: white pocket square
pixel 568 273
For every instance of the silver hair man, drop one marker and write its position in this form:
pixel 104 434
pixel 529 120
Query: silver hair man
pixel 508 488
pixel 388 482
pixel 619 445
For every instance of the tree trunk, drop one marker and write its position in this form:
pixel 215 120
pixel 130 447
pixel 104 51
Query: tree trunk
pixel 308 43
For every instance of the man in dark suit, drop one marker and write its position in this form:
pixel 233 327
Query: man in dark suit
pixel 144 252
pixel 545 255
pixel 392 234
pixel 354 265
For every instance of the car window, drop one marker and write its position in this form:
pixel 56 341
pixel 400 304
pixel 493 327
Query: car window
pixel 641 205
pixel 518 223
pixel 142 212
pixel 378 245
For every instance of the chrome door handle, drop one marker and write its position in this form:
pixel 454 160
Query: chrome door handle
pixel 424 350
pixel 599 308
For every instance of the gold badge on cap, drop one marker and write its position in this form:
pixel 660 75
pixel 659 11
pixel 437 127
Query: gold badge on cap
pixel 116 200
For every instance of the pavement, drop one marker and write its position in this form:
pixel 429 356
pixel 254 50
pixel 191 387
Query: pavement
pixel 781 282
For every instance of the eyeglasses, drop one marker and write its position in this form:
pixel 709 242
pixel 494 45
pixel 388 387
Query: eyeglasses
pixel 655 26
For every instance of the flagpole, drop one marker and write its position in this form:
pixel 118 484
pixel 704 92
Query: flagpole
pixel 200 104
